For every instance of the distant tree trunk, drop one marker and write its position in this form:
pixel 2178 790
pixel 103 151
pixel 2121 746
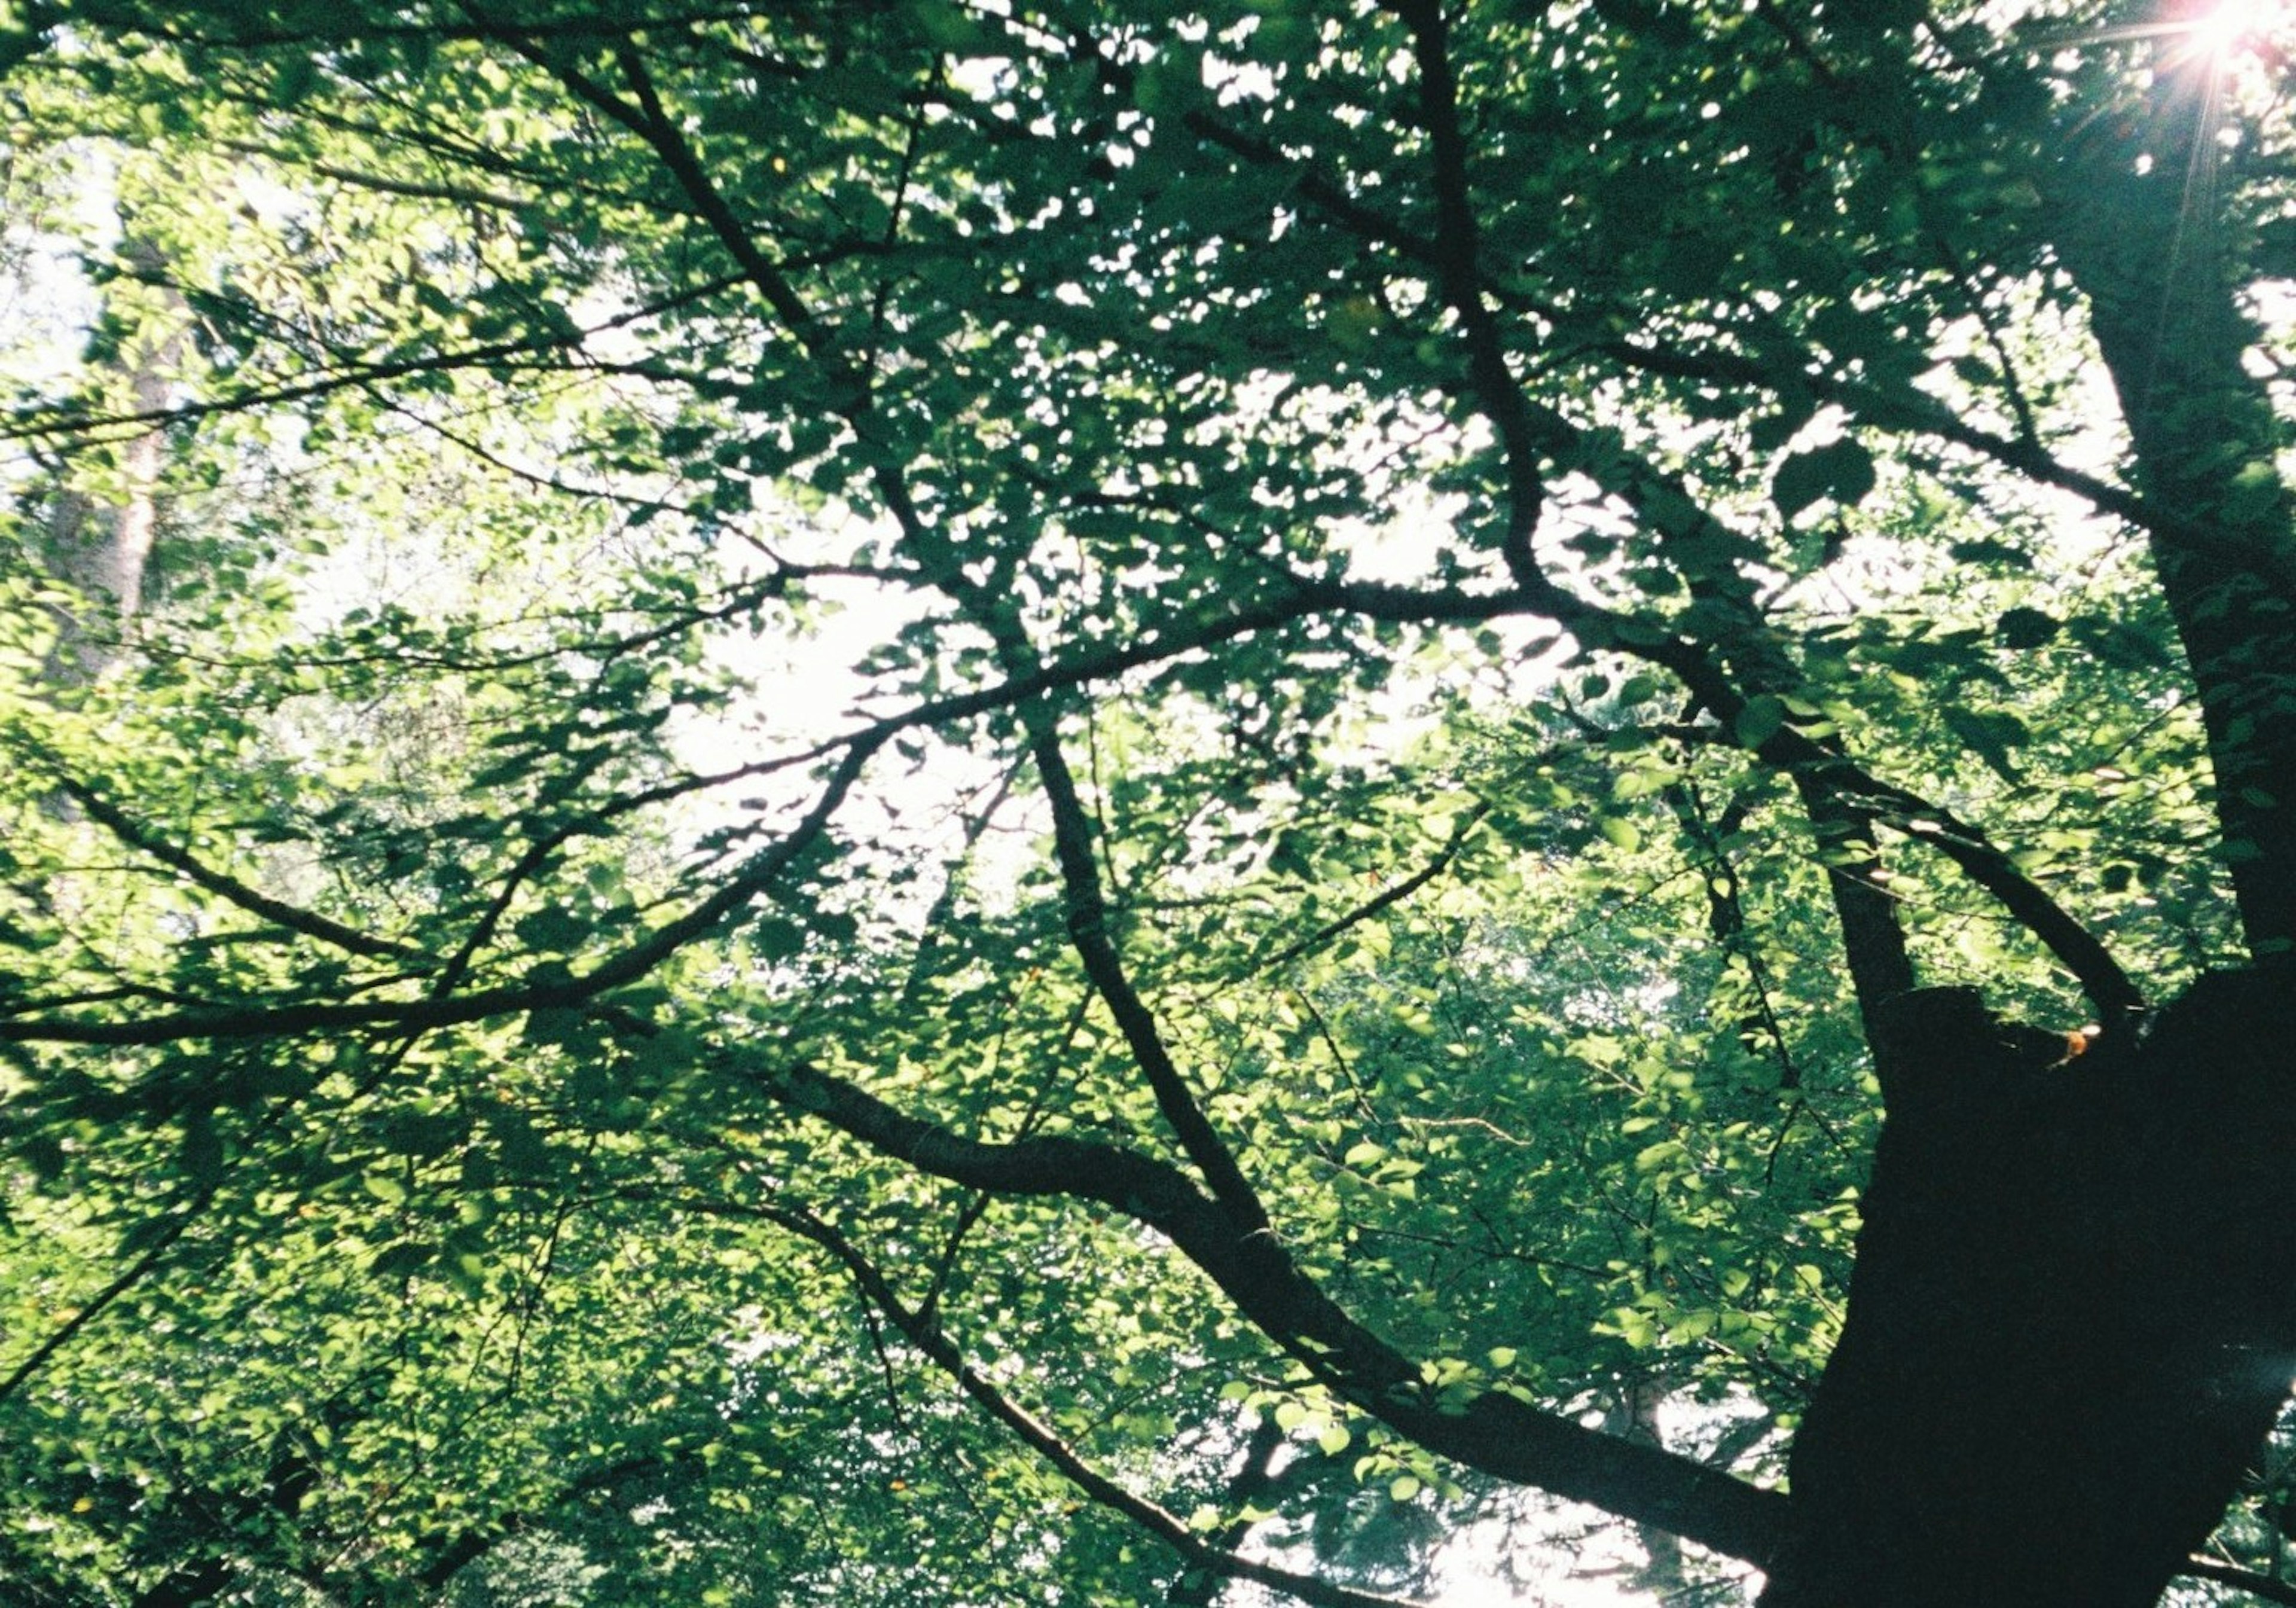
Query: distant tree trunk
pixel 103 548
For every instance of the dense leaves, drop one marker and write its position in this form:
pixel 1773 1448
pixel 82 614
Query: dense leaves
pixel 912 802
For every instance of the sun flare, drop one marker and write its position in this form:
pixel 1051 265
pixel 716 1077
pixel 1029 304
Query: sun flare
pixel 2227 24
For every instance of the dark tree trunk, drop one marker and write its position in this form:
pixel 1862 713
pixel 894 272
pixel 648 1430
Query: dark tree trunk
pixel 2073 1317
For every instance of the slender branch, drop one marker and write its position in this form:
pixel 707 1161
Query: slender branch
pixel 847 384
pixel 1863 796
pixel 95 1306
pixel 1840 795
pixel 295 919
pixel 1698 542
pixel 928 1337
pixel 1492 1431
pixel 1908 410
pixel 1726 920
pixel 414 189
pixel 1251 1490
pixel 1458 267
pixel 1304 596
pixel 652 125
pixel 1387 898
pixel 414 1016
pixel 76 422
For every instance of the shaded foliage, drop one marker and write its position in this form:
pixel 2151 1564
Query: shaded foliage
pixel 921 802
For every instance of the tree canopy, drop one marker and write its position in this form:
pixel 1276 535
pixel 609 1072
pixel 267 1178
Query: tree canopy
pixel 914 801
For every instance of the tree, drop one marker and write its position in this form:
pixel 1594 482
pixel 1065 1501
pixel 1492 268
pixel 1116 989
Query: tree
pixel 889 761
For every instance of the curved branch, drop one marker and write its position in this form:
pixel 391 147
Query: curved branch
pixel 294 918
pixel 64 423
pixel 924 1332
pixel 1087 926
pixel 1458 268
pixel 633 961
pixel 1387 898
pixel 1495 1432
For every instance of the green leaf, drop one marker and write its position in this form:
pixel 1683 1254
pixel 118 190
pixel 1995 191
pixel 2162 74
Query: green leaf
pixel 384 1186
pixel 1993 736
pixel 1759 720
pixel 1841 471
pixel 2025 628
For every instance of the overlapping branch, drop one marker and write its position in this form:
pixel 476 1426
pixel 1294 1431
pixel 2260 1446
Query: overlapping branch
pixel 1088 927
pixel 633 961
pixel 1842 797
pixel 1495 1432
pixel 924 1331
pixel 294 918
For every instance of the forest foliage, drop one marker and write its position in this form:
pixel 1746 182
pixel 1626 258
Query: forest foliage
pixel 901 800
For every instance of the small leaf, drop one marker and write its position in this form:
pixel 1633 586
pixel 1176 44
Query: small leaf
pixel 1759 720
pixel 776 939
pixel 2023 628
pixel 1842 470
pixel 1992 735
pixel 1985 550
pixel 550 928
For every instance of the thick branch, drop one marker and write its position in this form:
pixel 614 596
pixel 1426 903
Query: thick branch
pixel 1088 925
pixel 2255 1585
pixel 1493 1432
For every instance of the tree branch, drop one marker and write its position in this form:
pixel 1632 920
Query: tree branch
pixel 2255 1585
pixel 1492 1431
pixel 1088 927
pixel 440 1010
pixel 309 923
pixel 1387 898
pixel 1458 267
pixel 927 1336
pixel 66 422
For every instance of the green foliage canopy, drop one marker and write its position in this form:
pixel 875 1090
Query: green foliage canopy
pixel 891 759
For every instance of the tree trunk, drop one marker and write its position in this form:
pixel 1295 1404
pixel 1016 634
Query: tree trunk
pixel 2073 1314
pixel 105 548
